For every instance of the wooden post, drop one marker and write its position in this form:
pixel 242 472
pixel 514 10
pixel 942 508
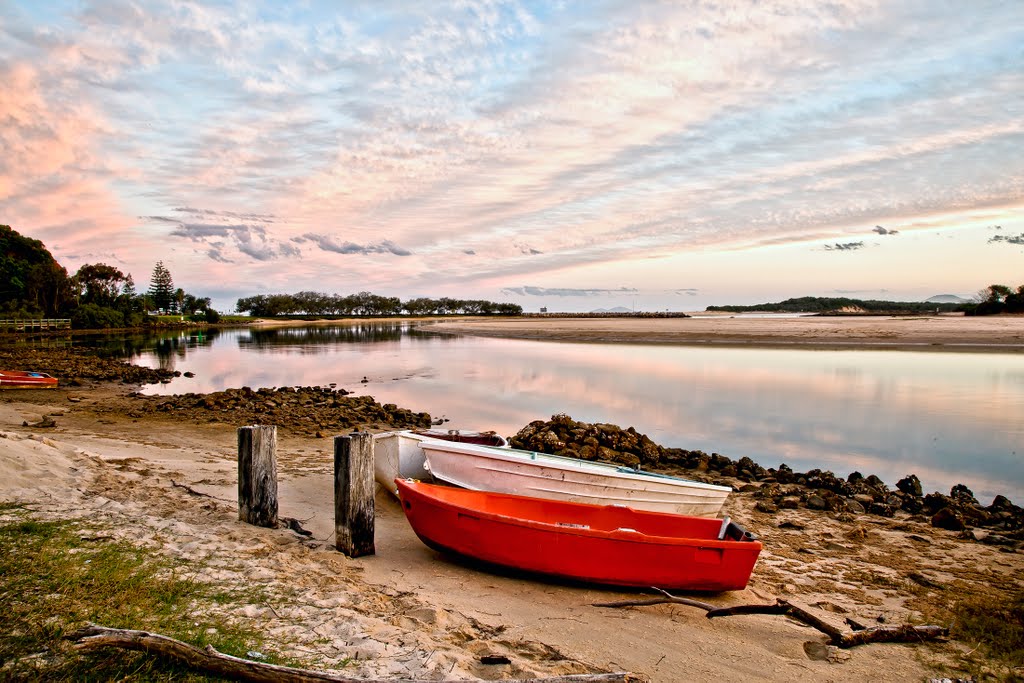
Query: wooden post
pixel 353 494
pixel 257 475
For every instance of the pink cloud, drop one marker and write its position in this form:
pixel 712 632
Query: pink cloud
pixel 51 179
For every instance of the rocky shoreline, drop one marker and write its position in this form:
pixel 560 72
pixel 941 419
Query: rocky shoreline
pixel 1001 523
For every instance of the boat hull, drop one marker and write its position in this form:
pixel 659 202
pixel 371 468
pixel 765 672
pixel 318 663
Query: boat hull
pixel 542 475
pixel 17 379
pixel 397 455
pixel 607 545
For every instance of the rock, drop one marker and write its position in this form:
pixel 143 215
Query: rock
pixel 789 503
pixel 948 518
pixel 767 506
pixel 854 506
pixel 910 485
pixel 919 539
pixel 963 494
pixel 837 655
pixel 815 502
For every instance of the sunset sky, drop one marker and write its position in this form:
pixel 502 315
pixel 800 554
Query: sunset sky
pixel 573 155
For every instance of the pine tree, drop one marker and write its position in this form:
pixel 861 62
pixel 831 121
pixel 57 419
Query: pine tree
pixel 161 288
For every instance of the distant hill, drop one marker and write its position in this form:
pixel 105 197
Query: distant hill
pixel 617 309
pixel 947 299
pixel 843 306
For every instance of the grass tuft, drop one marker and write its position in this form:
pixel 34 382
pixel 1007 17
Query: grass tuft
pixel 55 580
pixel 996 624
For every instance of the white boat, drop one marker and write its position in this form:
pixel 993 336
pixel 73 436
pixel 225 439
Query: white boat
pixel 541 475
pixel 397 455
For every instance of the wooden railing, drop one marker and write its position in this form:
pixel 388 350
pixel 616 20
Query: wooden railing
pixel 31 324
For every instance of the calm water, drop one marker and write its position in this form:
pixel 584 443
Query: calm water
pixel 947 417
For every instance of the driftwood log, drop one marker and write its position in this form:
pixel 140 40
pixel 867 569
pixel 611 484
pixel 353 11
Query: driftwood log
pixel 211 661
pixel 905 633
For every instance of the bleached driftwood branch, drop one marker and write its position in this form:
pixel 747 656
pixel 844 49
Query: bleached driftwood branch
pixel 210 660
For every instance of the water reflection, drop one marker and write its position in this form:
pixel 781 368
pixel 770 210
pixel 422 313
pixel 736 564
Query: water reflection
pixel 315 337
pixel 948 417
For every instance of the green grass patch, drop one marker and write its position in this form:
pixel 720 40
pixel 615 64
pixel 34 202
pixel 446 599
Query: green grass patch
pixel 59 575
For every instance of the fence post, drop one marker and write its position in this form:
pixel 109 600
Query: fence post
pixel 353 494
pixel 257 475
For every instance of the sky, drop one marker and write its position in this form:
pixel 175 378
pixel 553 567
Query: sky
pixel 568 155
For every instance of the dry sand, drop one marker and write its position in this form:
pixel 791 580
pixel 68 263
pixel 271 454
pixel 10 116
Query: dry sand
pixel 938 332
pixel 409 612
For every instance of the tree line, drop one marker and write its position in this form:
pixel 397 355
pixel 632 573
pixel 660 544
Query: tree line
pixel 33 285
pixel 97 296
pixel 366 304
pixel 991 300
pixel 998 299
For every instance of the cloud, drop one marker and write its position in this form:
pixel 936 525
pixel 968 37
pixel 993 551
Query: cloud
pixel 845 246
pixel 1008 239
pixel 328 243
pixel 882 231
pixel 264 218
pixel 250 239
pixel 565 291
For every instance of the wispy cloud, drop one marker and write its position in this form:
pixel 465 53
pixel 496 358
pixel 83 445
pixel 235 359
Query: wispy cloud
pixel 1008 239
pixel 844 246
pixel 328 243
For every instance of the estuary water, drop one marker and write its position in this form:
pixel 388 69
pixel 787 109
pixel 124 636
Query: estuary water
pixel 949 418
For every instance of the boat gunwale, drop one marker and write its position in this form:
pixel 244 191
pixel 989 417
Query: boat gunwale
pixel 586 466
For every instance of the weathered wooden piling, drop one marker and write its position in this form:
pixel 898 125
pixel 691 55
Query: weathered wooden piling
pixel 257 475
pixel 353 494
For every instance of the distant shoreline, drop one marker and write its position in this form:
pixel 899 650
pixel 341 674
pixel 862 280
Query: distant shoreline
pixel 990 334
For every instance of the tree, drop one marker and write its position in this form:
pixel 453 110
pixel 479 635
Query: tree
pixel 31 280
pixel 161 287
pixel 100 284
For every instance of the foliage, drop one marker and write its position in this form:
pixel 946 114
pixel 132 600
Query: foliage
pixel 98 283
pixel 33 284
pixel 999 299
pixel 96 317
pixel 58 576
pixel 366 304
pixel 161 288
pixel 31 280
pixel 815 304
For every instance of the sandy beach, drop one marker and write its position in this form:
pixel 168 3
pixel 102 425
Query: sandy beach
pixel 939 332
pixel 169 484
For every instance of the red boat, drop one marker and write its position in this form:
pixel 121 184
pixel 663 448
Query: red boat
pixel 17 379
pixel 601 544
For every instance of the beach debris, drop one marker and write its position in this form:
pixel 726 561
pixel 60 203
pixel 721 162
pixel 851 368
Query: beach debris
pixel 209 660
pixel 191 491
pixel 905 633
pixel 45 423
